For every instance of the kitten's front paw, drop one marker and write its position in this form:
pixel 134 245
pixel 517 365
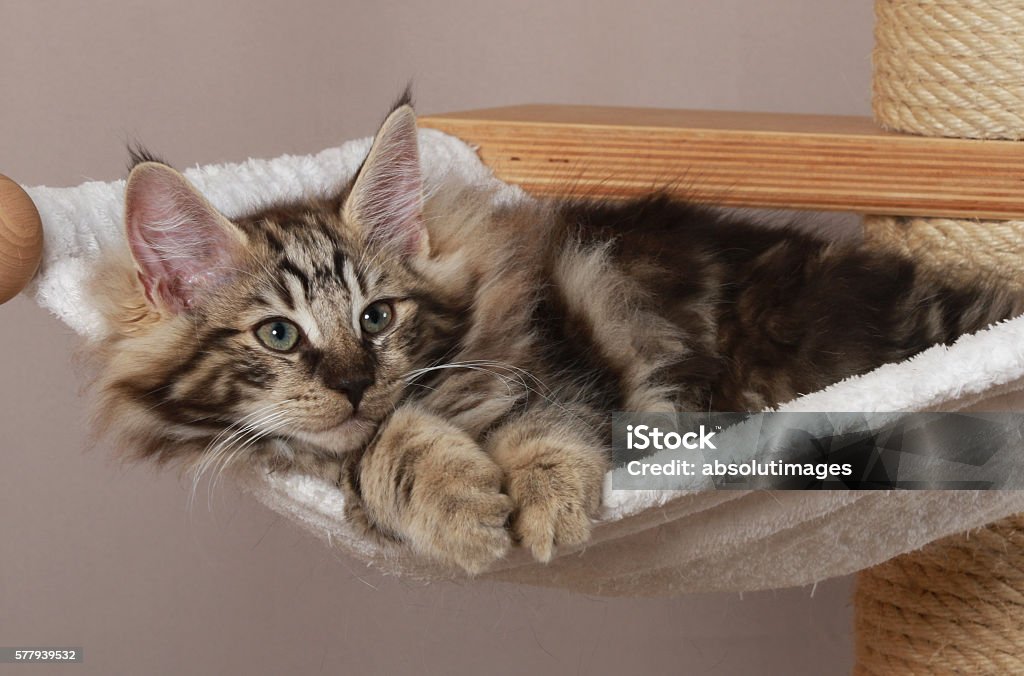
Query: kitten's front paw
pixel 556 491
pixel 429 484
pixel 457 512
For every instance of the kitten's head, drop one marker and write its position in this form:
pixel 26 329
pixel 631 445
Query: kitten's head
pixel 302 321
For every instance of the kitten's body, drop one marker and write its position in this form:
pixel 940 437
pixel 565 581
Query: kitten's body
pixel 513 332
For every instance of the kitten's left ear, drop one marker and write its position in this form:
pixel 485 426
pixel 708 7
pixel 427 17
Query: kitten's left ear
pixel 387 197
pixel 183 246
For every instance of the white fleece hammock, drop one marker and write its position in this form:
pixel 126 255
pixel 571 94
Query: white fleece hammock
pixel 648 542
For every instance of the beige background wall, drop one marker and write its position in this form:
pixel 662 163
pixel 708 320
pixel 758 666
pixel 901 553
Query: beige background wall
pixel 109 557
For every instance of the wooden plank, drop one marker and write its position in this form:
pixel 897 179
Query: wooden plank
pixel 824 162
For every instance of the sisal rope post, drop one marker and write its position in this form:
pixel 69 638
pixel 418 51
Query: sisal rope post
pixel 949 68
pixel 955 606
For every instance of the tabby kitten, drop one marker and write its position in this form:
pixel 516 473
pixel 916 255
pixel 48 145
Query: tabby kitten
pixel 451 365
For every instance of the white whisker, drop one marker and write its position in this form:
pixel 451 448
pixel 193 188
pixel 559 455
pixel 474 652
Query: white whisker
pixel 221 447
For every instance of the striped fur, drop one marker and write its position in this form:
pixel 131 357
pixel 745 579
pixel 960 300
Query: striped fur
pixel 516 330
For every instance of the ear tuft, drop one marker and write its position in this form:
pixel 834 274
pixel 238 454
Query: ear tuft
pixel 404 99
pixel 140 154
pixel 386 199
pixel 183 246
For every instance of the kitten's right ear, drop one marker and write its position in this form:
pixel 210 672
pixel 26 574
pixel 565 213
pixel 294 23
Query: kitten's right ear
pixel 386 200
pixel 183 246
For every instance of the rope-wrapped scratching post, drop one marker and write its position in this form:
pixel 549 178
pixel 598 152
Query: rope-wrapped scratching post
pixel 949 68
pixel 956 606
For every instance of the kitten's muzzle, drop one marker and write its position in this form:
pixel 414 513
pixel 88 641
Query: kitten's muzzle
pixel 353 389
pixel 350 373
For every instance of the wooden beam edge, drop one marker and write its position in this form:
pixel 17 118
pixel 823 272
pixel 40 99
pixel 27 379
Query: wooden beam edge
pixel 768 161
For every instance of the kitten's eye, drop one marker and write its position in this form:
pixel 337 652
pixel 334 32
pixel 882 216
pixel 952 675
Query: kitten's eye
pixel 279 335
pixel 377 317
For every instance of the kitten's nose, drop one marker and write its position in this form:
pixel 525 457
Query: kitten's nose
pixel 353 389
